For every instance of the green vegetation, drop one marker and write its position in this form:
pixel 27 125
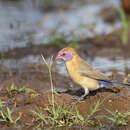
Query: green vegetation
pixel 125 24
pixel 93 111
pixel 57 41
pixel 59 116
pixel 40 116
pixel 61 42
pixel 74 45
pixel 117 118
pixel 6 115
pixel 64 116
pixel 14 90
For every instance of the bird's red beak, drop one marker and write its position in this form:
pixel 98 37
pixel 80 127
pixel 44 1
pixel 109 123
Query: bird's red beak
pixel 58 57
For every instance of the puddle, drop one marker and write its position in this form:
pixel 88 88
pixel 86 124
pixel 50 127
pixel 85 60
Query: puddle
pixel 75 22
pixel 103 63
pixel 19 63
pixel 99 63
pixel 21 23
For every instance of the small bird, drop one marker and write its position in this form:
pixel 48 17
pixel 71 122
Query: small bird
pixel 83 74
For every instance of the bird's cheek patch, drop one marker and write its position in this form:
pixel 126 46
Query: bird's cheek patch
pixel 68 57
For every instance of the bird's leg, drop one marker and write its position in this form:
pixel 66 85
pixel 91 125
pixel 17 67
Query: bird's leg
pixel 82 97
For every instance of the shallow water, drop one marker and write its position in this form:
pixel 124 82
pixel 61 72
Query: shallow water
pixel 22 23
pixel 105 64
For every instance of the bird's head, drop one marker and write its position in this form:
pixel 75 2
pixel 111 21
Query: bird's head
pixel 66 54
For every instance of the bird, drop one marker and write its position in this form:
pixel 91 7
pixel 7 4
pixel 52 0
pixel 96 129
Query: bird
pixel 83 74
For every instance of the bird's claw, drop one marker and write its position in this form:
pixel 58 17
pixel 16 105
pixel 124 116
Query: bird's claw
pixel 74 98
pixel 79 100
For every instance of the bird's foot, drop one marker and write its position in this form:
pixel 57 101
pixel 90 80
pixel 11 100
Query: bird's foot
pixel 74 98
pixel 79 100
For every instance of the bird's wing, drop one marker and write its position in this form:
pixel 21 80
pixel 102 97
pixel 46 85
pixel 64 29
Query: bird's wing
pixel 86 70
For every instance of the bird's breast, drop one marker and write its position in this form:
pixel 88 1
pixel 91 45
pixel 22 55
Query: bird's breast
pixel 84 81
pixel 72 69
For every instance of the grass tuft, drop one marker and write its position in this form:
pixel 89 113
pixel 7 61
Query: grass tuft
pixel 58 116
pixel 125 24
pixel 15 90
pixel 6 115
pixel 93 111
pixel 117 118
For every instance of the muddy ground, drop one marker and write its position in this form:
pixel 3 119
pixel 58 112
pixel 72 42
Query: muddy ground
pixel 36 76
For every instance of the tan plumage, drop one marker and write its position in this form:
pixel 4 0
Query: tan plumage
pixel 82 66
pixel 82 73
pixel 86 70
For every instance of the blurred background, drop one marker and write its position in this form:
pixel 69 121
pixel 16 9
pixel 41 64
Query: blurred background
pixel 95 27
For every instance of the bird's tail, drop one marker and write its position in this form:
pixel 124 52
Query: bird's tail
pixel 119 83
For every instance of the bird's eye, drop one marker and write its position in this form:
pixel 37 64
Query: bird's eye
pixel 63 54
